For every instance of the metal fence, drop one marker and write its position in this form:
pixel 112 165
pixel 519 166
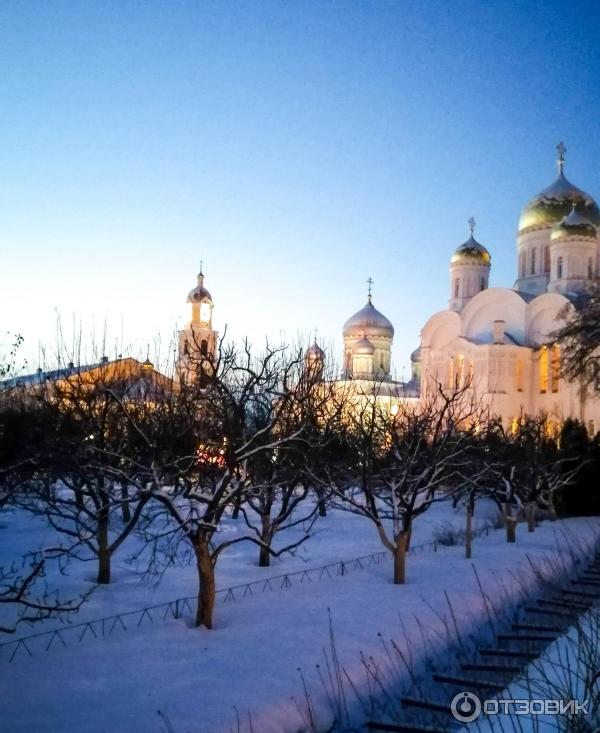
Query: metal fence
pixel 69 634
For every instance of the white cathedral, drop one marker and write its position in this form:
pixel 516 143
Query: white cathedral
pixel 495 339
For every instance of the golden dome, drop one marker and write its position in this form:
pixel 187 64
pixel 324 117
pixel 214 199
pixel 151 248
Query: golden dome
pixel 573 225
pixel 471 253
pixel 555 202
pixel 368 322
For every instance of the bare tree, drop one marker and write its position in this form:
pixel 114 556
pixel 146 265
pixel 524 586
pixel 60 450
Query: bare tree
pixel 579 338
pixel 83 437
pixel 404 463
pixel 235 433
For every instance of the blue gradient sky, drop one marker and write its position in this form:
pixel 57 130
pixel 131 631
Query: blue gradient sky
pixel 297 148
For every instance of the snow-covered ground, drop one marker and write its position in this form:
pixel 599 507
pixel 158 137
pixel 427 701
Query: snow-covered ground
pixel 250 660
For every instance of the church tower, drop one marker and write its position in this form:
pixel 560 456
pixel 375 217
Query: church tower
pixel 368 337
pixel 198 340
pixel 469 271
pixel 537 250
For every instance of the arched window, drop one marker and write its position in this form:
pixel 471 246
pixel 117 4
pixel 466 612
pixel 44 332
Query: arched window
pixel 519 375
pixel 204 347
pixel 482 284
pixel 544 369
pixel 555 367
pixel 460 360
pixel 522 264
pixel 590 268
pixel 533 262
pixel 456 287
pixel 381 361
pixel 559 268
pixel 546 259
pixel 186 348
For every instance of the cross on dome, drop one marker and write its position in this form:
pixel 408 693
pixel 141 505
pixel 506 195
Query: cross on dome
pixel 561 156
pixel 370 283
pixel 472 224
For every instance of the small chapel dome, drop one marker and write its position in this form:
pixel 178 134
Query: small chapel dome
pixel 315 352
pixel 573 225
pixel 556 201
pixel 471 253
pixel 199 294
pixel 415 357
pixel 364 347
pixel 368 322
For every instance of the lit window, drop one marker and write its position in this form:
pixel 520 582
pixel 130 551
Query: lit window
pixel 519 376
pixel 544 369
pixel 451 373
pixel 555 367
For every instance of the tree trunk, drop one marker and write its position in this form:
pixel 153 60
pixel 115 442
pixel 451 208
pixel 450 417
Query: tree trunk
pixel 469 533
pixel 206 584
pixel 400 551
pixel 125 508
pixel 322 506
pixel 511 523
pixel 264 558
pixel 103 552
pixel 531 517
pixel 236 507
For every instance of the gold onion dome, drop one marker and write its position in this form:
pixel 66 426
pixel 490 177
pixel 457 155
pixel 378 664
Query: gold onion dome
pixel 368 322
pixel 364 347
pixel 199 294
pixel 471 252
pixel 573 225
pixel 555 202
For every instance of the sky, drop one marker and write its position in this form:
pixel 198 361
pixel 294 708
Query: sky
pixel 296 148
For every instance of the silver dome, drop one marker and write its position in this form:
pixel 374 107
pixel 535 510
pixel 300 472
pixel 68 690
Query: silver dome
pixel 368 322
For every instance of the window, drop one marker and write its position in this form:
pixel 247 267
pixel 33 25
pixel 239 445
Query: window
pixel 204 347
pixel 381 361
pixel 451 373
pixel 482 284
pixel 519 375
pixel 544 369
pixel 559 268
pixel 555 367
pixel 546 259
pixel 456 287
pixel 533 262
pixel 591 428
pixel 522 264
pixel 590 268
pixel 460 360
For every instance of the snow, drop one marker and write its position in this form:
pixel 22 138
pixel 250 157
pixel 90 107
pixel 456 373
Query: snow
pixel 250 661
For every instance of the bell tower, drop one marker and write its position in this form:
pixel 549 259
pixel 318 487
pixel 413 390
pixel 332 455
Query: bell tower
pixel 197 340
